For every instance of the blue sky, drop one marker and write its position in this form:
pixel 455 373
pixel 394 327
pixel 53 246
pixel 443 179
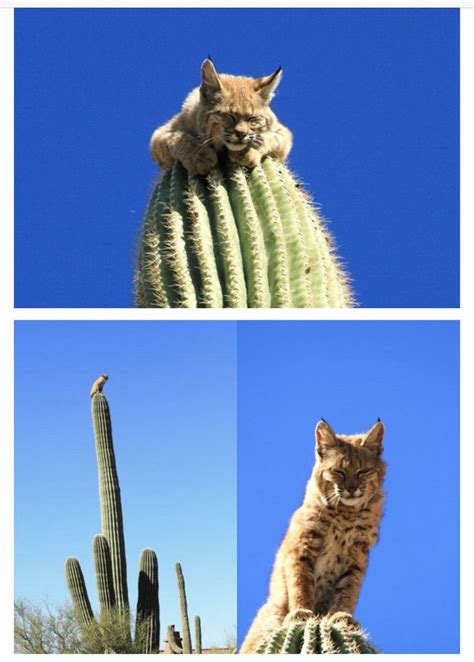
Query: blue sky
pixel 172 393
pixel 290 374
pixel 372 97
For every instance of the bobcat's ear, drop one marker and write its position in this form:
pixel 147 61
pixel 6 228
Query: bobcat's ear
pixel 325 437
pixel 374 437
pixel 211 86
pixel 267 85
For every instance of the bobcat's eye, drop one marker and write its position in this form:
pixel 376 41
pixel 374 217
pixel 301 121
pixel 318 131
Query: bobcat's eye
pixel 364 472
pixel 339 473
pixel 255 122
pixel 224 118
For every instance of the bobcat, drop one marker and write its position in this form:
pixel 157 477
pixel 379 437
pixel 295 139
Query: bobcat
pixel 322 560
pixel 98 385
pixel 228 115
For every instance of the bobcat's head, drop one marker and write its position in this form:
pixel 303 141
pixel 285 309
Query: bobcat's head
pixel 234 110
pixel 349 468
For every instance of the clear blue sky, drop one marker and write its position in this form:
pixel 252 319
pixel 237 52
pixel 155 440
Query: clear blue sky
pixel 289 375
pixel 372 96
pixel 172 393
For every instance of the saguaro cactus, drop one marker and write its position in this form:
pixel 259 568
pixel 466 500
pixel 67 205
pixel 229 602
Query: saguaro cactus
pixel 337 633
pixel 110 561
pixel 147 633
pixel 110 502
pixel 110 633
pixel 238 239
pixel 183 608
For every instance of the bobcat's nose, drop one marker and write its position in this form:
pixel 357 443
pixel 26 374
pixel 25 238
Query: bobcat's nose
pixel 240 135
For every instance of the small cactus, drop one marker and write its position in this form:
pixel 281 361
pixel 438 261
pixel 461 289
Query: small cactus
pixel 333 633
pixel 183 607
pixel 238 239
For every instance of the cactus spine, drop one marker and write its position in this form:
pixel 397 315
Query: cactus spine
pixel 236 239
pixel 329 634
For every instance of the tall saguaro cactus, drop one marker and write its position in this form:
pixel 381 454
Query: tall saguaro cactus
pixel 238 239
pixel 183 607
pixel 110 502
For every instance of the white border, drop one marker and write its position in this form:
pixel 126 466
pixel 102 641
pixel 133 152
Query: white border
pixel 8 314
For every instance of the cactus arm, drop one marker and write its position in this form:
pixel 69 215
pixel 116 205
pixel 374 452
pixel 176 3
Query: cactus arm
pixel 235 291
pixel 183 606
pixel 211 290
pixel 110 502
pixel 197 635
pixel 78 591
pixel 147 633
pixel 251 239
pixel 103 573
pixel 296 250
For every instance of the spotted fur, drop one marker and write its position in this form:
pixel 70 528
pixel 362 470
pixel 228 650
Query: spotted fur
pixel 227 115
pixel 322 560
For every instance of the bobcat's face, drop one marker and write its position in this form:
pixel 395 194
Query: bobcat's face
pixel 234 110
pixel 237 131
pixel 350 470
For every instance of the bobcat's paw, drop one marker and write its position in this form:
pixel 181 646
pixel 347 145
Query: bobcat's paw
pixel 298 616
pixel 249 158
pixel 201 161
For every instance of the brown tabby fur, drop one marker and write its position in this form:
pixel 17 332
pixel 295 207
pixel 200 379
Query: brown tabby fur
pixel 322 560
pixel 227 115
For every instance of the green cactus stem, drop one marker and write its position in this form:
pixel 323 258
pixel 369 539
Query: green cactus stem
pixel 78 591
pixel 147 633
pixel 110 502
pixel 237 238
pixel 103 574
pixel 183 608
pixel 197 635
pixel 329 634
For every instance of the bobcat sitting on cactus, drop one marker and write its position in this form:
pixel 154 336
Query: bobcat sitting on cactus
pixel 226 114
pixel 322 560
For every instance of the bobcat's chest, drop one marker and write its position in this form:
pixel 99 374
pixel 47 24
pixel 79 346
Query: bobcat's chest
pixel 336 552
